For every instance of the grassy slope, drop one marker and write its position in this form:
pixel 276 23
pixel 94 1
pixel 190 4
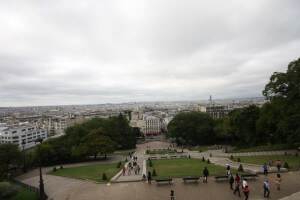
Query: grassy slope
pixel 25 195
pixel 184 167
pixel 92 172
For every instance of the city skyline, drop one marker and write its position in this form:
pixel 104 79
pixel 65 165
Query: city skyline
pixel 139 51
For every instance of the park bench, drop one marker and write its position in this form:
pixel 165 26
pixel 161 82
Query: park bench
pixel 221 177
pixel 249 176
pixel 163 180
pixel 173 156
pixel 195 178
pixel 183 156
pixel 163 157
pixel 153 157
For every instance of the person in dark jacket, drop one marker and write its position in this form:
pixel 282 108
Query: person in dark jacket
pixel 149 177
pixel 231 181
pixel 237 185
pixel 205 174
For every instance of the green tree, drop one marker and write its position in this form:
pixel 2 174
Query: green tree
pixel 10 155
pixel 192 128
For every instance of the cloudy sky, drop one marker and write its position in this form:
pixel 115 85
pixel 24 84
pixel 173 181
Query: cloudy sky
pixel 82 52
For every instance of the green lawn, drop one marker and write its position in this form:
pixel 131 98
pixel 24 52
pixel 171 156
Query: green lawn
pixel 181 167
pixel 162 151
pixel 25 195
pixel 203 148
pixel 274 147
pixel 91 172
pixel 293 161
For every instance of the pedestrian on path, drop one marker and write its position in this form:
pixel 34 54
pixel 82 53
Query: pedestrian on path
pixel 135 170
pixel 270 164
pixel 149 177
pixel 265 168
pixel 172 195
pixel 278 165
pixel 278 181
pixel 244 183
pixel 231 181
pixel 237 185
pixel 246 192
pixel 138 169
pixel 129 170
pixel 266 187
pixel 205 174
pixel 228 170
pixel 123 170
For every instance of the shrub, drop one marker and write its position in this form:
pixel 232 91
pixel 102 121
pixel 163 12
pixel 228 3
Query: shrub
pixel 61 167
pixel 285 153
pixel 231 157
pixel 54 169
pixel 296 154
pixel 203 159
pixel 200 151
pixel 126 160
pixel 119 164
pixel 241 168
pixel 7 190
pixel 154 173
pixel 189 156
pixel 150 163
pixel 226 150
pixel 147 152
pixel 286 165
pixel 239 160
pixel 208 161
pixel 104 177
pixel 210 155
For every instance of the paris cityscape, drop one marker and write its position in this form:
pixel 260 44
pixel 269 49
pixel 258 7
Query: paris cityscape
pixel 149 100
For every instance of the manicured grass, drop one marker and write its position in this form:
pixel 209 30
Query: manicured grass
pixel 25 195
pixel 91 172
pixel 274 147
pixel 203 148
pixel 180 167
pixel 293 161
pixel 162 151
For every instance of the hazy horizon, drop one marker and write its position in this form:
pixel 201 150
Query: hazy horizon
pixel 70 53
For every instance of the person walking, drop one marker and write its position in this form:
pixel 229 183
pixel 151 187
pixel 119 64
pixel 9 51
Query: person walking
pixel 237 185
pixel 129 170
pixel 244 183
pixel 266 189
pixel 138 169
pixel 278 165
pixel 265 168
pixel 123 170
pixel 172 195
pixel 135 170
pixel 270 164
pixel 246 192
pixel 149 177
pixel 205 174
pixel 228 170
pixel 231 181
pixel 278 181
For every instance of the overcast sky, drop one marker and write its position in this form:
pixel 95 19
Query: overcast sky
pixel 81 52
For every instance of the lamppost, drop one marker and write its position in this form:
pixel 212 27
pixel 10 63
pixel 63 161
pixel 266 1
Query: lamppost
pixel 23 145
pixel 43 195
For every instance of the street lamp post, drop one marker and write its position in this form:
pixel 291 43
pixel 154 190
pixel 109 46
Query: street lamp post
pixel 24 166
pixel 43 195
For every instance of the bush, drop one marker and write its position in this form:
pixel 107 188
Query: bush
pixel 285 153
pixel 231 157
pixel 239 160
pixel 7 190
pixel 126 160
pixel 154 173
pixel 119 164
pixel 208 161
pixel 203 159
pixel 189 156
pixel 61 167
pixel 150 163
pixel 286 165
pixel 296 154
pixel 226 150
pixel 241 168
pixel 104 177
pixel 200 151
pixel 210 155
pixel 54 169
pixel 147 152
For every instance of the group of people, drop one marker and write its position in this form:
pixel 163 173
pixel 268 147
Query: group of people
pixel 132 166
pixel 266 168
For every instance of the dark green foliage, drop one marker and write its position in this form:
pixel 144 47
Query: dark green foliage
pixel 104 177
pixel 9 155
pixel 208 161
pixel 200 151
pixel 61 167
pixel 193 128
pixel 210 155
pixel 296 154
pixel 286 165
pixel 154 173
pixel 119 164
pixel 189 156
pixel 285 153
pixel 7 190
pixel 54 169
pixel 239 160
pixel 203 159
pixel 240 169
pixel 231 157
pixel 126 160
pixel 150 163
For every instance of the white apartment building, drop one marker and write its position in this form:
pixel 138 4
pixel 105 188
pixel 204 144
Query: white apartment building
pixel 152 125
pixel 27 132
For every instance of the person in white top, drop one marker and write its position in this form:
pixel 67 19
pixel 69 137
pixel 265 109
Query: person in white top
pixel 244 183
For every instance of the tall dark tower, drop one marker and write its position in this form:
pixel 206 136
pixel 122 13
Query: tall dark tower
pixel 210 99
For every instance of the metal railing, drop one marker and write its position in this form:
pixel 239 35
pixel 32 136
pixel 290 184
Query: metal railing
pixel 28 187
